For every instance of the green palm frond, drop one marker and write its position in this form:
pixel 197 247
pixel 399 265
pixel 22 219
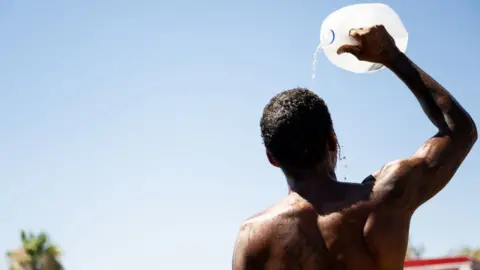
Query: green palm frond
pixel 54 250
pixel 23 236
pixel 36 253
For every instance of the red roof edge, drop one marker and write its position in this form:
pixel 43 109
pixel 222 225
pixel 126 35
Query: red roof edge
pixel 425 262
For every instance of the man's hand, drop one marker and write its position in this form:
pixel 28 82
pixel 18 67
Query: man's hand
pixel 375 45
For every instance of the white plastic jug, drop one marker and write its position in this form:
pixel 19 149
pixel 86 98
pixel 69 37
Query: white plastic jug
pixel 335 33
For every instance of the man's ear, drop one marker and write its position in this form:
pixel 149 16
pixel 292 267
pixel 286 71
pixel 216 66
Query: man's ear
pixel 332 142
pixel 272 160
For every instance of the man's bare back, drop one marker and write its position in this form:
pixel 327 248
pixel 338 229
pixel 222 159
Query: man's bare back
pixel 325 224
pixel 301 238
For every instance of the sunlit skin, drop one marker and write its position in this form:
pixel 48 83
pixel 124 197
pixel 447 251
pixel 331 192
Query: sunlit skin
pixel 326 224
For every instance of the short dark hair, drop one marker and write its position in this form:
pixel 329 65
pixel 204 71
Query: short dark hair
pixel 295 127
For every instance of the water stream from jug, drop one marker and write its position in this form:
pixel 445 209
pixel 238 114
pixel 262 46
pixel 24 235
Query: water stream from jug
pixel 327 38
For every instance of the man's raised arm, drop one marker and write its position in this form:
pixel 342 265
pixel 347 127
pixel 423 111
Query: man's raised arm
pixel 410 182
pixel 437 160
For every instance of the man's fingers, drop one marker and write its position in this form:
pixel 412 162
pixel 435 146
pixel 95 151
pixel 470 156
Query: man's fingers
pixel 357 33
pixel 352 49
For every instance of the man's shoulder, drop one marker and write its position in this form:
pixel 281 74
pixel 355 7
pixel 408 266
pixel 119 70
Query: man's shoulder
pixel 264 224
pixel 396 186
pixel 254 239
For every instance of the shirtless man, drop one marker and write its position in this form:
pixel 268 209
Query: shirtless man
pixel 325 224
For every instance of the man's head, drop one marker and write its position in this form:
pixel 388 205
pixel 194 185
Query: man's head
pixel 297 131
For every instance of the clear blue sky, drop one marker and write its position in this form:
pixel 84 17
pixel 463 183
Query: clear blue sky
pixel 129 129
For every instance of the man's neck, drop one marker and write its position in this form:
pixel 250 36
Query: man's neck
pixel 310 184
